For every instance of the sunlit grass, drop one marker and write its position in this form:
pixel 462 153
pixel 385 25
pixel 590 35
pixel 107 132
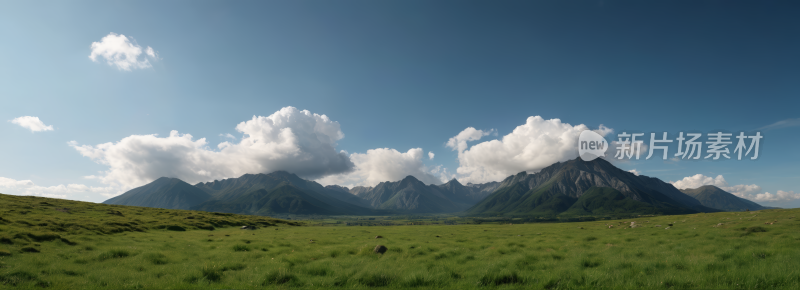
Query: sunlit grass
pixel 694 253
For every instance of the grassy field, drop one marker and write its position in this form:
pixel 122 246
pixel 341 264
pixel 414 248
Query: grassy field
pixel 65 244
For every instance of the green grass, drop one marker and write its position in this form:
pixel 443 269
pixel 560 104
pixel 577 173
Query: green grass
pixel 694 253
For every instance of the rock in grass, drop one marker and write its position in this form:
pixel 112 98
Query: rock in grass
pixel 379 237
pixel 380 249
pixel 176 228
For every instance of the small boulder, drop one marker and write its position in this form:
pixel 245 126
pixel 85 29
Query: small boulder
pixel 666 228
pixel 379 237
pixel 380 249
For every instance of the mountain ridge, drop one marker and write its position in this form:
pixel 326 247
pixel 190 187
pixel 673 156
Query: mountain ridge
pixel 715 197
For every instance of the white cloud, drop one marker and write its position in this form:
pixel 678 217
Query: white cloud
pixel 31 123
pixel 27 187
pixel 782 124
pixel 459 142
pixel 296 141
pixel 384 164
pixel 430 155
pixel 119 51
pixel 635 172
pixel 530 147
pixel 228 135
pixel 699 180
pixel 779 196
pixel 747 191
pixel 442 172
pixel 742 190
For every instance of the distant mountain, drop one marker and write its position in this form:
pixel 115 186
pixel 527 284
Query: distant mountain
pixel 481 191
pixel 337 187
pixel 714 197
pixel 283 199
pixel 409 195
pixel 171 193
pixel 279 192
pixel 557 188
pixel 458 193
pixel 231 188
pixel 413 196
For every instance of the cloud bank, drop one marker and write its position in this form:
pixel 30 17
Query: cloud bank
pixel 27 187
pixel 119 51
pixel 751 191
pixel 296 141
pixel 530 147
pixel 31 123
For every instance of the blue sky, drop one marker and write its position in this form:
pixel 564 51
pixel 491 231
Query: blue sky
pixel 399 75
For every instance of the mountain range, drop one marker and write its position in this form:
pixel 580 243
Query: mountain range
pixel 570 188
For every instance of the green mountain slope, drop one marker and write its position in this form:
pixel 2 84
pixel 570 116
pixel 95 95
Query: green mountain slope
pixel 608 201
pixel 714 197
pixel 555 189
pixel 411 195
pixel 283 199
pixel 277 192
pixel 171 193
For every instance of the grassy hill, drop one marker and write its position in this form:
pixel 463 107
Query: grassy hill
pixel 93 246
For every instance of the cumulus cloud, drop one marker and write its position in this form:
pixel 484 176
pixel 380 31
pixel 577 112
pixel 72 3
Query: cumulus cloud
pixel 228 135
pixel 530 147
pixel 296 141
pixel 779 196
pixel 384 164
pixel 635 172
pixel 430 155
pixel 699 180
pixel 121 52
pixel 746 191
pixel 31 123
pixel 27 187
pixel 459 142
